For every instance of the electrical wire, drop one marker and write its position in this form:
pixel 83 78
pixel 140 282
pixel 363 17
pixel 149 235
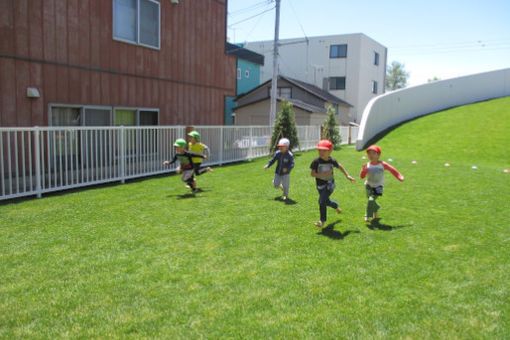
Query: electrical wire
pixel 253 16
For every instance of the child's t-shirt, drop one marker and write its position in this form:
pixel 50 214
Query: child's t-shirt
pixel 197 148
pixel 285 160
pixel 185 159
pixel 375 174
pixel 320 166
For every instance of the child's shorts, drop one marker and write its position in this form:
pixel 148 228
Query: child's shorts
pixel 187 175
pixel 377 191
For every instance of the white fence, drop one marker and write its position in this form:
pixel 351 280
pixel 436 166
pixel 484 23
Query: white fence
pixel 392 108
pixel 39 160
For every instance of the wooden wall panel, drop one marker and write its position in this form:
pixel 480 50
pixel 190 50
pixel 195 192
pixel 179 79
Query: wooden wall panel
pixel 7 92
pixel 35 30
pixel 37 105
pixel 186 79
pixel 49 35
pixel 61 31
pixel 7 26
pixel 21 28
pixel 22 83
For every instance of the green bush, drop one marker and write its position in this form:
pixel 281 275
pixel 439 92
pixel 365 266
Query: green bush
pixel 330 128
pixel 285 127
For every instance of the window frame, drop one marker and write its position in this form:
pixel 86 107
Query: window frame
pixel 331 56
pixel 336 82
pixel 82 109
pixel 137 113
pixel 137 26
pixel 374 87
pixel 376 58
pixel 279 91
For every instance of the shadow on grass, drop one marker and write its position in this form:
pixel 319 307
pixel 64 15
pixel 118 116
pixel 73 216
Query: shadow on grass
pixel 288 201
pixel 189 194
pixel 376 224
pixel 329 231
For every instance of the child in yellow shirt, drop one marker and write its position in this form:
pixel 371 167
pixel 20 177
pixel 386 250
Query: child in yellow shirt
pixel 197 147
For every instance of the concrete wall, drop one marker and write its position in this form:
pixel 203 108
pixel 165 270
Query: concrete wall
pixel 310 62
pixel 399 106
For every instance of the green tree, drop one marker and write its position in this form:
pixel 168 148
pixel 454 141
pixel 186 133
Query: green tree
pixel 430 80
pixel 285 127
pixel 330 128
pixel 396 76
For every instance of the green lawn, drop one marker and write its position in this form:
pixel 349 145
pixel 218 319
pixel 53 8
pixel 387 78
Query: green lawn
pixel 147 260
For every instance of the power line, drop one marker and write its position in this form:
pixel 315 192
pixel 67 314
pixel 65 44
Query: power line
pixel 253 16
pixel 251 8
pixel 299 21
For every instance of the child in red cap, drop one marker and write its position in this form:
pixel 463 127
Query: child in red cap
pixel 375 181
pixel 322 170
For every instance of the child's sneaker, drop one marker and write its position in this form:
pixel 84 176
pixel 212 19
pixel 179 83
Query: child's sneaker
pixel 319 224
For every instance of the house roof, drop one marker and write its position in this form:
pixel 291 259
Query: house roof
pixel 312 89
pixel 243 53
pixel 317 91
pixel 295 102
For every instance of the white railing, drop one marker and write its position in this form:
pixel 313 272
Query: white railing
pixel 38 160
pixel 393 108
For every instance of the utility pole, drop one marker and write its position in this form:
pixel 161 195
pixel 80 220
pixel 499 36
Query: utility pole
pixel 274 81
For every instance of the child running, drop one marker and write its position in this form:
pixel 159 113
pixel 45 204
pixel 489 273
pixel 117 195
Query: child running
pixel 195 146
pixel 322 169
pixel 285 164
pixel 374 183
pixel 186 163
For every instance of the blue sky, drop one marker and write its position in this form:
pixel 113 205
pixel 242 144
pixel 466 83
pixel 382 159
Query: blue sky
pixel 433 38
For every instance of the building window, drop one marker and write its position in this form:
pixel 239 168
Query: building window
pixel 376 58
pixel 98 117
pixel 283 92
pixel 63 115
pixel 337 83
pixel 338 51
pixel 136 117
pixel 247 74
pixel 148 117
pixel 137 22
pixel 238 73
pixel 374 87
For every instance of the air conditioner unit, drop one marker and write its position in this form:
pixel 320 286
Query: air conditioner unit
pixel 175 1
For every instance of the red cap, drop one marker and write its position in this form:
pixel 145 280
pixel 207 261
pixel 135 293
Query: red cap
pixel 374 148
pixel 325 144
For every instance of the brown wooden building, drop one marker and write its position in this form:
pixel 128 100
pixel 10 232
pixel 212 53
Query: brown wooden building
pixel 114 62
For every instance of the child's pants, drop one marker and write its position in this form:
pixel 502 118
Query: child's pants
pixel 284 180
pixel 372 194
pixel 198 170
pixel 325 202
pixel 187 176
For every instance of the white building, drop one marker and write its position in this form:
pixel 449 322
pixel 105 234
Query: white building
pixel 351 66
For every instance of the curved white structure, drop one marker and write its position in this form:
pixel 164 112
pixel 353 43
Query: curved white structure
pixel 395 107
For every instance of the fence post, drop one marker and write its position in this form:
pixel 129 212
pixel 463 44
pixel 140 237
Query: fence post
pixel 250 147
pixel 37 146
pixel 221 146
pixel 122 156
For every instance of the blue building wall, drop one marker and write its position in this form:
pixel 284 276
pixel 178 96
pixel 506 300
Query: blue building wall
pixel 248 78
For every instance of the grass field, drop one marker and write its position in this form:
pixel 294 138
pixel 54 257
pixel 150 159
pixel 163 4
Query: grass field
pixel 148 260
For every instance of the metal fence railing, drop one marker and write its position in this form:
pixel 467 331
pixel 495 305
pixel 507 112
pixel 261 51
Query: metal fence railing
pixel 39 160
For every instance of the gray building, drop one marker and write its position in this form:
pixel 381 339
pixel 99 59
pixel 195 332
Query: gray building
pixel 352 67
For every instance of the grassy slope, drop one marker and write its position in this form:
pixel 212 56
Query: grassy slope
pixel 144 260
